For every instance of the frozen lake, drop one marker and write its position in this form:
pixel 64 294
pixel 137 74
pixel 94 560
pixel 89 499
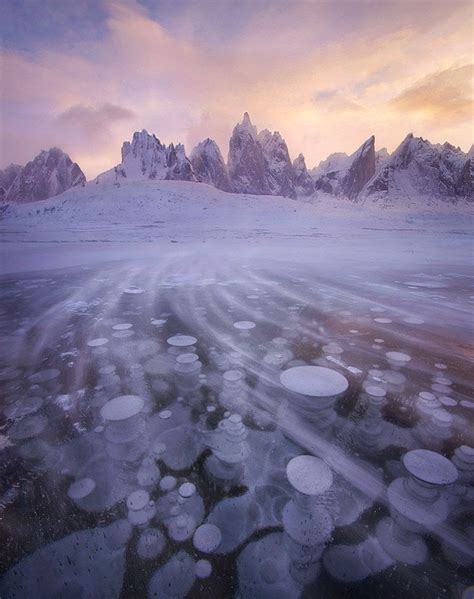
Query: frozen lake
pixel 150 440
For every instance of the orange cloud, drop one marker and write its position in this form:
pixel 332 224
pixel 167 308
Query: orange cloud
pixel 273 66
pixel 446 96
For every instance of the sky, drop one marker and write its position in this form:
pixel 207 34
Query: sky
pixel 83 75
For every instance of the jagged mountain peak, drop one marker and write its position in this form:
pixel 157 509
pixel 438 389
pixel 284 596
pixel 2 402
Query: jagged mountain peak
pixel 50 173
pixel 420 168
pixel 146 157
pixel 209 166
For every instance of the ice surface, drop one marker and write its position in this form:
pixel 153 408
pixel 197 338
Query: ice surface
pixel 360 354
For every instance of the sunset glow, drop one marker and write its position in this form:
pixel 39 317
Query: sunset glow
pixel 327 75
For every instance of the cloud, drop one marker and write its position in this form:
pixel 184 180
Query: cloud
pixel 162 75
pixel 95 122
pixel 445 96
pixel 333 100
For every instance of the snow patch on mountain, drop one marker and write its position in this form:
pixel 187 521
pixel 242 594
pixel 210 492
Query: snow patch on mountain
pixel 145 157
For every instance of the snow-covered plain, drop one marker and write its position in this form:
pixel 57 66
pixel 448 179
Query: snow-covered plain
pixel 148 437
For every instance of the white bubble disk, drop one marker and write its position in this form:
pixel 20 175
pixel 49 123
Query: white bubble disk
pixel 81 488
pixel 181 340
pixel 133 290
pixel 97 342
pixel 203 568
pixel 158 322
pixel 168 483
pixel 413 320
pixel 207 538
pixel 165 414
pixel 124 326
pixel 151 543
pixel 314 381
pixel 383 320
pixel 122 407
pixel 138 500
pixel 430 467
pixel 122 334
pixel 244 325
pixel 309 475
pixel 187 358
pixel 397 356
pixel 187 490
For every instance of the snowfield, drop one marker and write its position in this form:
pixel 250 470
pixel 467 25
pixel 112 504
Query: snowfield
pixel 139 216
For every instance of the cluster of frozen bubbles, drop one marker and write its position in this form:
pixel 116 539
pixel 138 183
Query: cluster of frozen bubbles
pixel 281 442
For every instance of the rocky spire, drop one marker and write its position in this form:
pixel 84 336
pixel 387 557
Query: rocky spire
pixel 246 161
pixel 209 166
pixel 304 184
pixel 47 175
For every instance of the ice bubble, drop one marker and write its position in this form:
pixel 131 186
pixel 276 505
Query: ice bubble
pixel 81 488
pixel 28 427
pixel 165 414
pixel 138 500
pixel 427 396
pixel 168 483
pixel 187 358
pixel 44 376
pixel 181 340
pixel 309 475
pixel 124 326
pixel 398 357
pixel 207 538
pixel 244 325
pixel 133 290
pixel 151 543
pixel 413 320
pixel 440 366
pixel 332 348
pixel 9 373
pixel 314 381
pixel 448 401
pixel 443 380
pixel 203 568
pixel 159 322
pixel 173 580
pixel 23 407
pixel 158 449
pixel 97 342
pixel 122 407
pixel 430 467
pixel 383 320
pixel 123 334
pixel 187 490
pixel 181 527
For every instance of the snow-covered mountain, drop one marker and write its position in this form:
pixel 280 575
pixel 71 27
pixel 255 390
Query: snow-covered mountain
pixel 279 173
pixel 209 166
pixel 246 162
pixel 343 175
pixel 304 184
pixel 419 168
pixel 7 176
pixel 259 163
pixel 47 175
pixel 145 157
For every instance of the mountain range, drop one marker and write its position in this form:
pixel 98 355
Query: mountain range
pixel 259 163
